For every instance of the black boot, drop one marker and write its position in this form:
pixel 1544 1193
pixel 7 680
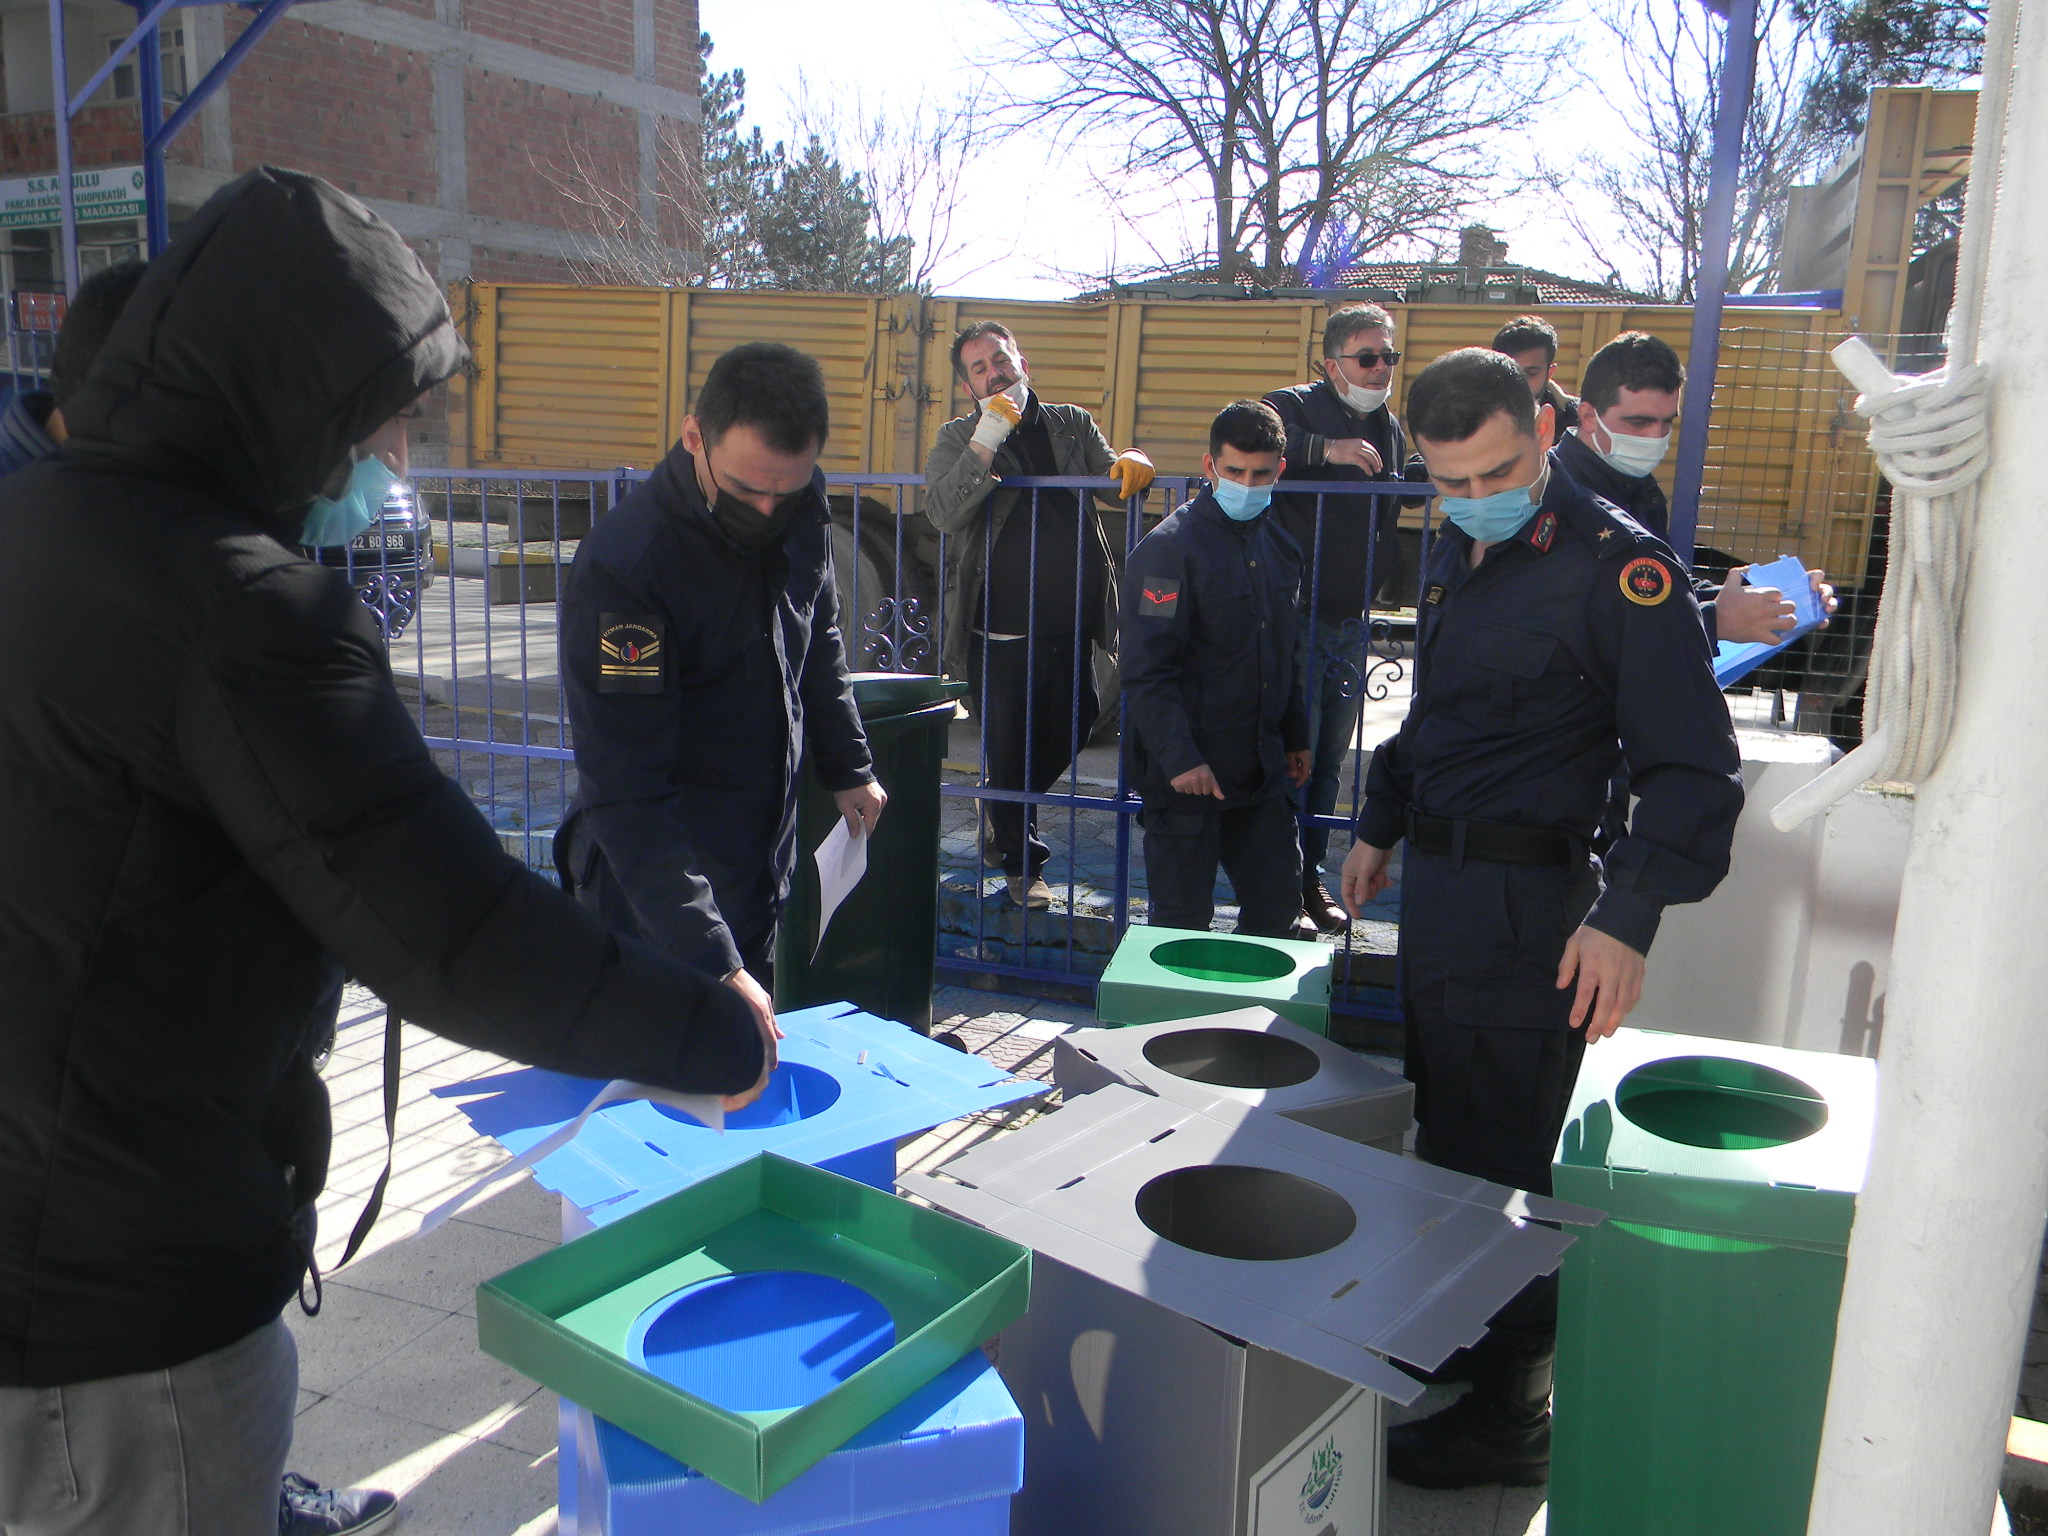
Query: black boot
pixel 1319 907
pixel 1499 1432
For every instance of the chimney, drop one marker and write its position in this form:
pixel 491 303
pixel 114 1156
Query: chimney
pixel 1477 247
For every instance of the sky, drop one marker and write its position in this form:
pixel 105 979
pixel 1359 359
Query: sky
pixel 1033 216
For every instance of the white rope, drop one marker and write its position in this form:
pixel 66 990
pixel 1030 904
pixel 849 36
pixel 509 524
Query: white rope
pixel 1928 433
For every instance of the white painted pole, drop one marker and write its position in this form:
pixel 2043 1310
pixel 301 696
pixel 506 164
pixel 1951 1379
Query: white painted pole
pixel 1946 1247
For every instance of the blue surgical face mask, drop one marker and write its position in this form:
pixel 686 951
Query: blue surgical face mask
pixel 333 521
pixel 1240 502
pixel 1490 519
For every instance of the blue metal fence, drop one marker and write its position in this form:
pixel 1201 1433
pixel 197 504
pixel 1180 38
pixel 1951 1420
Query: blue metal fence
pixel 480 664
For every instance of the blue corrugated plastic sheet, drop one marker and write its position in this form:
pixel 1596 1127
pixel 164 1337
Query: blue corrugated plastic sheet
pixel 945 1462
pixel 849 1087
pixel 1734 662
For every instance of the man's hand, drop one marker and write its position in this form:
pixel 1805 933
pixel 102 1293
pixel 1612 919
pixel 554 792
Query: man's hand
pixel 1365 876
pixel 861 806
pixel 1299 766
pixel 1198 780
pixel 1355 451
pixel 1610 977
pixel 1132 472
pixel 1751 615
pixel 764 1020
pixel 1818 580
pixel 999 417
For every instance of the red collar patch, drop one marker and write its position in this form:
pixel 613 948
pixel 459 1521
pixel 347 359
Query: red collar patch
pixel 1543 532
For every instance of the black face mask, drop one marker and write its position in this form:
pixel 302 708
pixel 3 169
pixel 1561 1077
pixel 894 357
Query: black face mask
pixel 746 526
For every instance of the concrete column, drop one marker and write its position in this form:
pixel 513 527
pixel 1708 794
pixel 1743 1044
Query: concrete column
pixel 1946 1248
pixel 209 42
pixel 650 146
pixel 451 140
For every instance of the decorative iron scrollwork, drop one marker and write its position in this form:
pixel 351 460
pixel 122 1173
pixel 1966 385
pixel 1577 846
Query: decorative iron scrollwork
pixel 1366 662
pixel 898 636
pixel 393 600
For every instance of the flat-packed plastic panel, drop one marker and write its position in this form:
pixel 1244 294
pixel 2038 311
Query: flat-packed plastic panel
pixel 1246 1056
pixel 1330 1253
pixel 848 1088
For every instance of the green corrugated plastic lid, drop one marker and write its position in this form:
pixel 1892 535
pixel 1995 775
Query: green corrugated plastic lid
pixel 894 693
pixel 1158 974
pixel 571 1318
pixel 1720 1135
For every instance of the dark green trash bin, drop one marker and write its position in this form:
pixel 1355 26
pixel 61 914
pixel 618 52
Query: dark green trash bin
pixel 878 951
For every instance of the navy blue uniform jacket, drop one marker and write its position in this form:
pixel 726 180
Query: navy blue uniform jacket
pixel 1640 496
pixel 1209 668
pixel 1353 526
pixel 1574 648
pixel 695 681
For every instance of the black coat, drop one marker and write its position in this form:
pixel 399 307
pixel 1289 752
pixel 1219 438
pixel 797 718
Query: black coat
pixel 687 770
pixel 1358 555
pixel 1210 673
pixel 218 801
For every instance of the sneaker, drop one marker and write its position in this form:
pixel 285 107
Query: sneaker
pixel 304 1508
pixel 1030 892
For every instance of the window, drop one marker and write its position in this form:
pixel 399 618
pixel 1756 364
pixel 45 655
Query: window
pixel 126 80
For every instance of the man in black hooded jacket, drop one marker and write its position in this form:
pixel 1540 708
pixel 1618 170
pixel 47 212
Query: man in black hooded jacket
pixel 220 802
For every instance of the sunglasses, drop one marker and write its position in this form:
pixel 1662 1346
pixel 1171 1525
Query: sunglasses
pixel 1368 359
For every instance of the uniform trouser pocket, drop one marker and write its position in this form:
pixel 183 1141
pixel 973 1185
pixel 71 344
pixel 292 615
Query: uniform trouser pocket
pixel 1483 940
pixel 36 1481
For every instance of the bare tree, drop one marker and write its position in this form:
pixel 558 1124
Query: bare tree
pixel 626 233
pixel 913 160
pixel 1306 122
pixel 1650 196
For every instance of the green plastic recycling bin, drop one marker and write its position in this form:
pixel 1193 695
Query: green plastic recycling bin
pixel 878 947
pixel 1696 1325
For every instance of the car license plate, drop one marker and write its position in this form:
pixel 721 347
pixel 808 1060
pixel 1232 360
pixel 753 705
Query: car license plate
pixel 386 541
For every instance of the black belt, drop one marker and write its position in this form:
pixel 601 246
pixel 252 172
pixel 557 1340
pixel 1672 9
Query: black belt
pixel 1498 842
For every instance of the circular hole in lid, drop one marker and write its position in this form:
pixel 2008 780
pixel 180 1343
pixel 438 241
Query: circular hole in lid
pixel 1233 1058
pixel 1235 1212
pixel 794 1092
pixel 1720 1103
pixel 1234 961
pixel 762 1340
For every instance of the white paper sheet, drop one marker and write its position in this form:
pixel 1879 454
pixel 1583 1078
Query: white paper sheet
pixel 842 860
pixel 706 1109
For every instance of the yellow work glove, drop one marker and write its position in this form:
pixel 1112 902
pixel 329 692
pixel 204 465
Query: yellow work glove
pixel 1132 472
pixel 999 416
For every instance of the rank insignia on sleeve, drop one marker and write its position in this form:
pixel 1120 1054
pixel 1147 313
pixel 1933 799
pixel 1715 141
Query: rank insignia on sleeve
pixel 1433 596
pixel 1543 531
pixel 629 653
pixel 1160 599
pixel 1645 581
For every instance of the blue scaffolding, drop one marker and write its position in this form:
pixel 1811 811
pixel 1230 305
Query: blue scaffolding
pixel 157 130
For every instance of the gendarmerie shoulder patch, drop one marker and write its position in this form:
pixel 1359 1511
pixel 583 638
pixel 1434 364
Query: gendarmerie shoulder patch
pixel 1159 599
pixel 1645 581
pixel 1434 596
pixel 630 650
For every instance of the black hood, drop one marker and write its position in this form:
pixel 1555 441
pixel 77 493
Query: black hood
pixel 283 325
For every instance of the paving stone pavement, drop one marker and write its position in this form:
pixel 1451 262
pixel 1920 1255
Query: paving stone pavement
pixel 394 1392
